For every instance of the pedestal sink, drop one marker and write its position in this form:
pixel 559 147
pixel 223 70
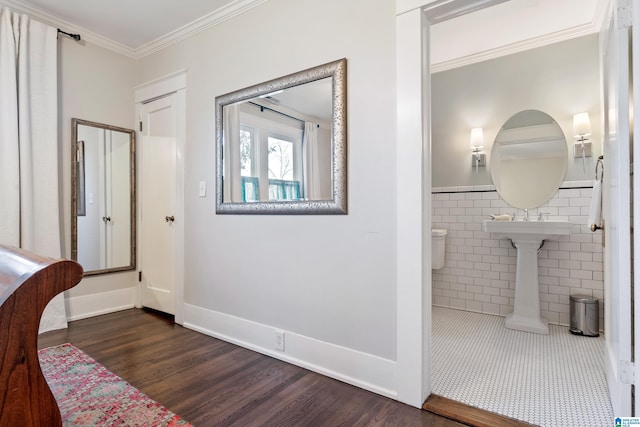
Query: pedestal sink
pixel 527 237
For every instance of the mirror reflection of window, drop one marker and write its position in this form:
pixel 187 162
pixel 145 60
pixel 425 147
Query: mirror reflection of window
pixel 250 185
pixel 245 153
pixel 280 159
pixel 282 164
pixel 284 141
pixel 270 154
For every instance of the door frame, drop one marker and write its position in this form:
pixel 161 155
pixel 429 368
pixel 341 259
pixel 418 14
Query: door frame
pixel 635 66
pixel 413 177
pixel 616 191
pixel 146 92
pixel 413 138
pixel 413 303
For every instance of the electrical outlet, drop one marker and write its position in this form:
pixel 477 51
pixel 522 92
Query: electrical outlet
pixel 279 340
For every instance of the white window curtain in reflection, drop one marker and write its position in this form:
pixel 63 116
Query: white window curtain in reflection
pixel 232 189
pixel 311 162
pixel 29 205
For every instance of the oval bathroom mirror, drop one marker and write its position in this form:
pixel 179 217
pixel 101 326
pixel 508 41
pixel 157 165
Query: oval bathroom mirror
pixel 529 159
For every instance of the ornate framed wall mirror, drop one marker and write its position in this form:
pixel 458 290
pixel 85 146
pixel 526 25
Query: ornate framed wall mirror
pixel 281 146
pixel 103 197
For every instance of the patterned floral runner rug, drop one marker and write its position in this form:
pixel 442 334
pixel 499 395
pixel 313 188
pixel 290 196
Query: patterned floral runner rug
pixel 88 394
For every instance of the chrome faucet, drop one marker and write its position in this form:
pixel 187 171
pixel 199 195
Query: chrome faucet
pixel 541 216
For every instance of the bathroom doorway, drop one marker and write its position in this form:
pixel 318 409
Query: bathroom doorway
pixel 429 215
pixel 414 155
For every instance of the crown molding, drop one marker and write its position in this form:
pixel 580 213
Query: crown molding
pixel 547 39
pixel 603 9
pixel 218 16
pixel 444 10
pixel 201 24
pixel 86 35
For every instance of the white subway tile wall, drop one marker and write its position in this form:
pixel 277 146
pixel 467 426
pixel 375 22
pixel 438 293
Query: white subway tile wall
pixel 480 268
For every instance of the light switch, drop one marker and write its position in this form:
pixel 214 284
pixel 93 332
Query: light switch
pixel 202 190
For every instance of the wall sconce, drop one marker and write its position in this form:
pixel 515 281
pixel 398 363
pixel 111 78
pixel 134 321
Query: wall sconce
pixel 477 142
pixel 582 129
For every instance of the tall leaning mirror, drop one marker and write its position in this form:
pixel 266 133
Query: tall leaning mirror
pixel 103 198
pixel 281 146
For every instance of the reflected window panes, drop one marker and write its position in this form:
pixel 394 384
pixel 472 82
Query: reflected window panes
pixel 246 154
pixel 250 183
pixel 280 159
pixel 284 167
pixel 270 155
pixel 281 145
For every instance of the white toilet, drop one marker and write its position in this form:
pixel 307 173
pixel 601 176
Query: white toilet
pixel 438 239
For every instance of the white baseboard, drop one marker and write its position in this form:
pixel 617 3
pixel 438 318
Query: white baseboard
pixel 85 306
pixel 360 369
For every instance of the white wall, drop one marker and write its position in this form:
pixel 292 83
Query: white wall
pixel 94 84
pixel 329 278
pixel 560 79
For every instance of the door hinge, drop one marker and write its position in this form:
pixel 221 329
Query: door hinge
pixel 624 15
pixel 140 125
pixel 139 276
pixel 627 372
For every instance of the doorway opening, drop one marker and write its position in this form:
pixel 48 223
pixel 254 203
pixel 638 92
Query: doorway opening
pixel 423 133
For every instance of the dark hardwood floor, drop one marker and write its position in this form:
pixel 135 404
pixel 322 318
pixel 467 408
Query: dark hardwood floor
pixel 468 414
pixel 210 382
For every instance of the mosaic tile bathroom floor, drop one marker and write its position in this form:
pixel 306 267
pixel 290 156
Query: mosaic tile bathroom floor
pixel 547 380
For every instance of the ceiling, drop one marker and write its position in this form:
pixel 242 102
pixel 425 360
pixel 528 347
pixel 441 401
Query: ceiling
pixel 132 27
pixel 137 28
pixel 132 23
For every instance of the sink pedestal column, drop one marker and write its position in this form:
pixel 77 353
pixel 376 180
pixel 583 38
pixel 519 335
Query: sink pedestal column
pixel 526 308
pixel 527 237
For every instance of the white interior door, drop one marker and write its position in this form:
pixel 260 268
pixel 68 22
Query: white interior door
pixel 118 198
pixel 635 66
pixel 617 209
pixel 158 203
pixel 101 196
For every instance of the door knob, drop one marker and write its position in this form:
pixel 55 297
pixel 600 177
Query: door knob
pixel 106 219
pixel 169 218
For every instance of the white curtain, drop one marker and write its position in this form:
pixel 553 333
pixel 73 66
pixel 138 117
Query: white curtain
pixel 232 191
pixel 29 204
pixel 311 162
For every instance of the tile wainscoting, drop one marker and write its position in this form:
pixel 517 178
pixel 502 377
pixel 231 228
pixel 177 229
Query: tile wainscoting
pixel 480 269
